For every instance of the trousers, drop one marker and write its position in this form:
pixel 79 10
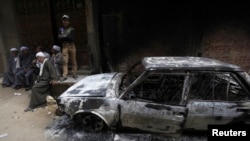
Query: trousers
pixel 69 53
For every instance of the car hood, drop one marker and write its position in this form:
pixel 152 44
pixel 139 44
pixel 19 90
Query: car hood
pixel 93 85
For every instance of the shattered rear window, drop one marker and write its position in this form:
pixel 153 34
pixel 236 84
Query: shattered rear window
pixel 216 86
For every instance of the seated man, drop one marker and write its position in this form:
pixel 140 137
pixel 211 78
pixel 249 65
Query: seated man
pixel 57 60
pixel 12 66
pixel 23 78
pixel 42 87
pixel 36 63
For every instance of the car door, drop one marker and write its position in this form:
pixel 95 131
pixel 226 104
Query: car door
pixel 153 117
pixel 213 99
pixel 200 102
pixel 155 105
pixel 230 99
pixel 200 114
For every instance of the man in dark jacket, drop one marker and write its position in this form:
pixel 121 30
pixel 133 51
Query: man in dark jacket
pixel 66 36
pixel 23 77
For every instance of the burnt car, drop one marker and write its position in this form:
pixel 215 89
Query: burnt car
pixel 170 95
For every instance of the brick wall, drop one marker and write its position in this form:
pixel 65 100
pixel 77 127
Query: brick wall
pixel 228 43
pixel 174 29
pixel 35 29
pixel 126 62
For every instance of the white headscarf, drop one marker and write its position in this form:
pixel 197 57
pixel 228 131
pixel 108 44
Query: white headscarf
pixel 23 48
pixel 41 54
pixel 13 49
pixel 57 48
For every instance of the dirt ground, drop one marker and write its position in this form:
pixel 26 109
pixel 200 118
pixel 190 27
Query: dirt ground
pixel 17 125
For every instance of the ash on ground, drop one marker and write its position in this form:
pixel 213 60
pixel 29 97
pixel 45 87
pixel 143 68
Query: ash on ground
pixel 63 129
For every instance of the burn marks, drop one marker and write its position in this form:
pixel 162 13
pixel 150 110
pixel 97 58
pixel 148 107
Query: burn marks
pixel 187 63
pixel 173 94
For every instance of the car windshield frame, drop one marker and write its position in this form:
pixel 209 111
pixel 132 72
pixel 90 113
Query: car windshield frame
pixel 133 84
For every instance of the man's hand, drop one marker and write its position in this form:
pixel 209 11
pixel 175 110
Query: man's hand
pixel 53 82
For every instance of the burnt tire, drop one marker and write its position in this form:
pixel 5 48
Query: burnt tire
pixel 90 123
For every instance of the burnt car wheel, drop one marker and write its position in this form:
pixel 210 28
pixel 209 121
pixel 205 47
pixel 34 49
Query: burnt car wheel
pixel 90 123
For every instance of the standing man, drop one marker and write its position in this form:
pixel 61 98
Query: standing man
pixel 66 36
pixel 42 87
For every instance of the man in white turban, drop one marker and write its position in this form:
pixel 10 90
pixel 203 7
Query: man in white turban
pixel 57 48
pixel 42 87
pixel 12 66
pixel 57 60
pixel 13 49
pixel 23 78
pixel 40 54
pixel 23 48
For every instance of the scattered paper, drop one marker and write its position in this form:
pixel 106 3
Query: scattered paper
pixel 3 135
pixel 17 94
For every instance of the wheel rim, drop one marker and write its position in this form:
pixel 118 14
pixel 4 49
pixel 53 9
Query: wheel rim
pixel 92 123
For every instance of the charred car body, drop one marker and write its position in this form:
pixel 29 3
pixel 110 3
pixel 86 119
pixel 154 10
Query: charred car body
pixel 171 95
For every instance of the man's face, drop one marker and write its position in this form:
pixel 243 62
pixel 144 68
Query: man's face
pixel 66 22
pixel 40 59
pixel 14 53
pixel 53 51
pixel 25 51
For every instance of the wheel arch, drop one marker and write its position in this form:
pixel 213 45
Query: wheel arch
pixel 84 112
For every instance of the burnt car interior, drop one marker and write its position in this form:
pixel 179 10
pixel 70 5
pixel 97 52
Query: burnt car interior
pixel 168 88
pixel 161 88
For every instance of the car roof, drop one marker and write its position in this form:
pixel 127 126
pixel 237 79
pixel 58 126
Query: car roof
pixel 187 63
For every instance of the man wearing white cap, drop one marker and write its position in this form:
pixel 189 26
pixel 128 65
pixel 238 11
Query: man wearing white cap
pixel 23 48
pixel 66 36
pixel 57 60
pixel 12 67
pixel 42 87
pixel 23 78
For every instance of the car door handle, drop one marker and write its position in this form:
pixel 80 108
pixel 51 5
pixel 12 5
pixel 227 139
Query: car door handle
pixel 179 114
